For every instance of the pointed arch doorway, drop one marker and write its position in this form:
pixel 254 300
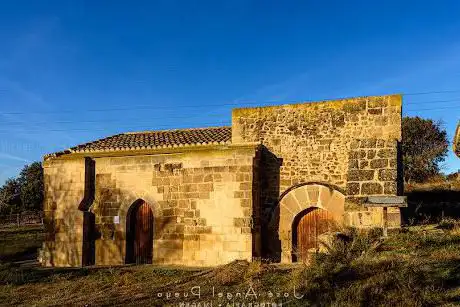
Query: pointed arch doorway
pixel 139 233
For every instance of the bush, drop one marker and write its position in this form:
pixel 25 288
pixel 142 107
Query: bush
pixel 424 148
pixel 352 243
pixel 355 272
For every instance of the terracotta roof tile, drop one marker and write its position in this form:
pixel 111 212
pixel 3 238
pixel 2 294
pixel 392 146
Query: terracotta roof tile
pixel 155 139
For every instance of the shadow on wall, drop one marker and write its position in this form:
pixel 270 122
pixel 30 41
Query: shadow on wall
pixel 270 197
pixel 84 233
pixel 113 242
pixel 63 240
pixel 139 248
pixel 269 178
pixel 431 206
pixel 165 234
pixel 89 219
pixel 69 229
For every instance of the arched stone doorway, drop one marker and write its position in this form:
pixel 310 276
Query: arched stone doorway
pixel 297 203
pixel 139 233
pixel 307 228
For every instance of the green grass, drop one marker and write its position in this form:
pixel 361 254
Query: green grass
pixel 20 243
pixel 417 266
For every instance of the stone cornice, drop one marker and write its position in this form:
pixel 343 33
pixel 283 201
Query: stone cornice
pixel 152 151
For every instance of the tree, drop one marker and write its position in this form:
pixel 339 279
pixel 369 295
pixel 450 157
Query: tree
pixel 424 147
pixel 25 192
pixel 10 200
pixel 31 186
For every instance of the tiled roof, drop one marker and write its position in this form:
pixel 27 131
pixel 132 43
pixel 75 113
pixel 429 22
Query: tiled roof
pixel 155 140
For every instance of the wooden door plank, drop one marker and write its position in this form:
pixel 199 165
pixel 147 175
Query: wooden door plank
pixel 309 228
pixel 143 234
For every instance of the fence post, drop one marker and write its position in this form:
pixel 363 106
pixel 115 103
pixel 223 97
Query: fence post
pixel 21 219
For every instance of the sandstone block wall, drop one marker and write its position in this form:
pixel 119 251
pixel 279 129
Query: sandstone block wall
pixel 64 191
pixel 372 167
pixel 201 202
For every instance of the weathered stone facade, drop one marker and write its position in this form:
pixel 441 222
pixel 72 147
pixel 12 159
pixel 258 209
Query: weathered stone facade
pixel 348 145
pixel 201 201
pixel 217 197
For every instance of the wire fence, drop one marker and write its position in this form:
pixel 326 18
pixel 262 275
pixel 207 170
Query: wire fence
pixel 21 219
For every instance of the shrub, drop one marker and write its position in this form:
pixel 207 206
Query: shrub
pixel 352 243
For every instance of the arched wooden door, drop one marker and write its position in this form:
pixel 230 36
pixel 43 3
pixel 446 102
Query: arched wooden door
pixel 140 234
pixel 308 226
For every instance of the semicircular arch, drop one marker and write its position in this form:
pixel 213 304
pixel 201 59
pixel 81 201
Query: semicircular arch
pixel 300 198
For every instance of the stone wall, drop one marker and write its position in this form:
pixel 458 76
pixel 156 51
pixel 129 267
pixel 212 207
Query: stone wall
pixel 214 204
pixel 372 167
pixel 295 203
pixel 201 201
pixel 348 144
pixel 64 191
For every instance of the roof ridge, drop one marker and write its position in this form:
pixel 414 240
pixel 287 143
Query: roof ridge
pixel 97 140
pixel 173 130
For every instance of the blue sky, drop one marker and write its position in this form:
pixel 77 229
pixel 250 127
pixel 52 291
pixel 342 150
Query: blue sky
pixel 71 70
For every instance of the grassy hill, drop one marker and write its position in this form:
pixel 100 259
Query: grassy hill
pixel 416 266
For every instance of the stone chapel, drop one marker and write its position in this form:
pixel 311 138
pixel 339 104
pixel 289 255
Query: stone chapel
pixel 265 187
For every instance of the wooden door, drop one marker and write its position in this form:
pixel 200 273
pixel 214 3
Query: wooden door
pixel 309 227
pixel 143 234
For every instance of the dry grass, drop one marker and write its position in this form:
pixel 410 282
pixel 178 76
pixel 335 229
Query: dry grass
pixel 434 185
pixel 21 243
pixel 419 266
pixel 432 201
